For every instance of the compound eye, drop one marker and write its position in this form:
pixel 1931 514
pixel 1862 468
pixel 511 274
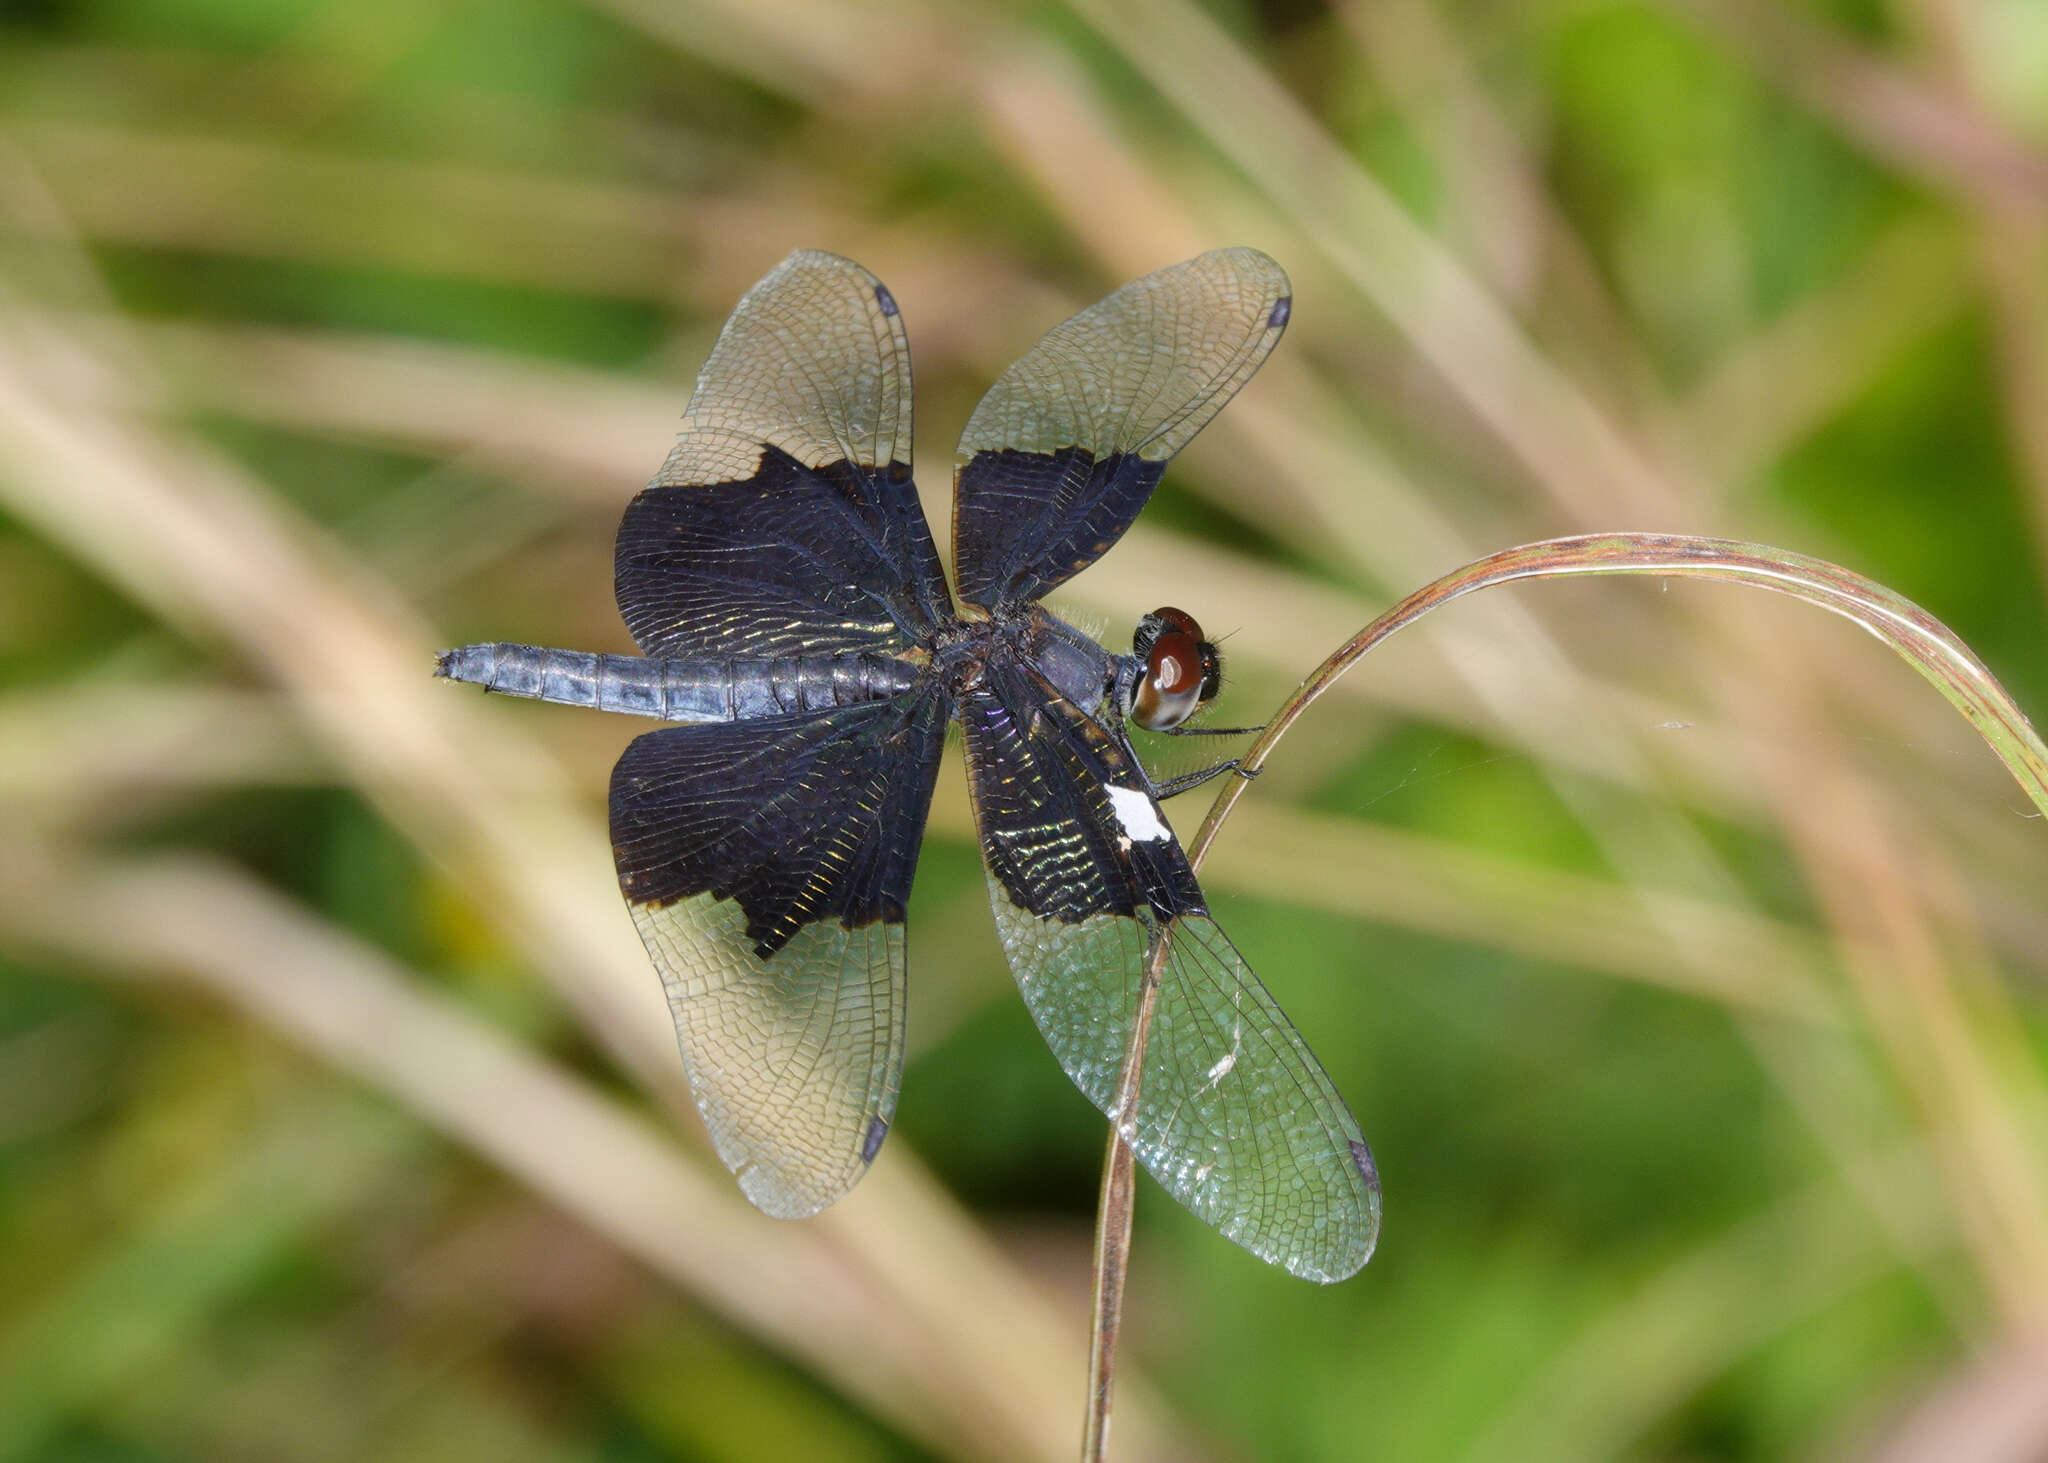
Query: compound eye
pixel 1176 674
pixel 1158 623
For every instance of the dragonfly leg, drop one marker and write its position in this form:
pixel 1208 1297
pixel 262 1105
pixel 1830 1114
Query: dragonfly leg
pixel 1211 731
pixel 1187 781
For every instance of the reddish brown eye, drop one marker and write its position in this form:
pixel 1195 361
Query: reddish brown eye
pixel 1175 664
pixel 1181 669
pixel 1172 684
pixel 1172 619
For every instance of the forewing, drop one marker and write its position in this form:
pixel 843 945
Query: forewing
pixel 1234 1115
pixel 1062 453
pixel 785 521
pixel 767 864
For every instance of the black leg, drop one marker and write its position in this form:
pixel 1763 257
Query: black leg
pixel 1190 780
pixel 1211 731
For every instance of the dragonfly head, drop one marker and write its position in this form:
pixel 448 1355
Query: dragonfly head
pixel 1179 670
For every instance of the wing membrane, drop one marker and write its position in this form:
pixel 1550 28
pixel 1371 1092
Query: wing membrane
pixel 1062 453
pixel 767 864
pixel 784 520
pixel 1234 1115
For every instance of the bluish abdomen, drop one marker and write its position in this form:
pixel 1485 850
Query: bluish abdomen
pixel 733 688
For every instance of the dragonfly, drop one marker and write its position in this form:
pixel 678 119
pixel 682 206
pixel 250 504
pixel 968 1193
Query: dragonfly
pixel 782 581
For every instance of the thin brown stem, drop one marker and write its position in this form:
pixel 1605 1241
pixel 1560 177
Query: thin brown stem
pixel 1113 1216
pixel 1930 646
pixel 1112 1253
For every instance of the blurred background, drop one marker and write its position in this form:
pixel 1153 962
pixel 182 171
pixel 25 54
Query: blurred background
pixel 1682 955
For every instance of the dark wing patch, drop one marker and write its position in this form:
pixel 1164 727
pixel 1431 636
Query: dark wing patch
pixel 789 560
pixel 1047 781
pixel 1025 522
pixel 798 819
pixel 767 864
pixel 1062 453
pixel 1234 1116
pixel 784 519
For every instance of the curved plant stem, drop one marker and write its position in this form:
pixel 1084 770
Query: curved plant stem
pixel 1112 1252
pixel 1113 1215
pixel 1927 644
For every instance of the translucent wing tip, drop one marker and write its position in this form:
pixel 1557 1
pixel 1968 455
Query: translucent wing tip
pixel 794 1193
pixel 1348 1257
pixel 1254 274
pixel 813 259
pixel 1249 263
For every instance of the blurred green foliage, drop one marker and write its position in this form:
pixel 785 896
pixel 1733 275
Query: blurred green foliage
pixel 1626 1216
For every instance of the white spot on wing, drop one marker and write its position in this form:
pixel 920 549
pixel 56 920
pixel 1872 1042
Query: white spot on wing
pixel 1222 1068
pixel 1135 811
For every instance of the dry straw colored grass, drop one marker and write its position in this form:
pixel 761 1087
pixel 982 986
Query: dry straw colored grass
pixel 1681 954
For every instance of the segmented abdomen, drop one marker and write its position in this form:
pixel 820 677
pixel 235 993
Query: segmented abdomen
pixel 697 689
